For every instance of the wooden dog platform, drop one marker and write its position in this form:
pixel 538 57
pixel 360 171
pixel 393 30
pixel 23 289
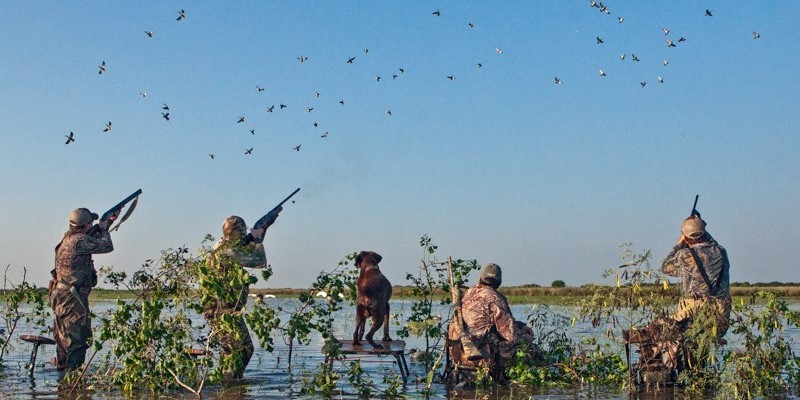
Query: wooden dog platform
pixel 394 348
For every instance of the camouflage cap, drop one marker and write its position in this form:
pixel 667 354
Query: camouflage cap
pixel 81 217
pixel 693 228
pixel 491 274
pixel 234 227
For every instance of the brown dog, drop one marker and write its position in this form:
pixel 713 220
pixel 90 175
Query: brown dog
pixel 372 298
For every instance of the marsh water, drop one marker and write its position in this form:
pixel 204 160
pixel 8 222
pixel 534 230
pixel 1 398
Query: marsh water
pixel 268 376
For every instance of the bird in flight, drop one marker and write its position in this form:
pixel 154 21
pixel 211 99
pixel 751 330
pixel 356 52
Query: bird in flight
pixel 366 50
pixel 350 60
pixel 451 77
pixel 559 82
pixel 324 135
pixel 165 115
pixel 341 101
pixel 248 151
pixel 665 30
pixel 602 73
pixel 394 76
pixel 666 62
pixel 70 137
pixel 108 127
pixel 599 41
pixel 681 39
pixel 436 13
pixel 660 80
pixel 211 155
pixel 402 70
pixel 498 50
pixel 309 109
pixel 181 15
pixel 480 65
pixel 166 107
pixel 297 148
pixel 241 119
pixel 756 35
pixel 252 131
pixel 669 43
pixel 620 20
pixel 622 57
pixel 102 67
pixel 282 106
pixel 302 58
pixel 634 58
pixel 149 34
pixel 259 88
pixel 708 13
pixel 644 83
pixel 270 108
pixel 143 94
pixel 315 124
pixel 389 112
pixel 377 79
pixel 471 25
pixel 316 94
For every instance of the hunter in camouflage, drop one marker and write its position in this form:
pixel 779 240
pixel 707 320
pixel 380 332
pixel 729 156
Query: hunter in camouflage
pixel 490 323
pixel 223 310
pixel 74 277
pixel 702 264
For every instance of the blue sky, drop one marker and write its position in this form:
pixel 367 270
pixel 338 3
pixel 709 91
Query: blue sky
pixel 498 164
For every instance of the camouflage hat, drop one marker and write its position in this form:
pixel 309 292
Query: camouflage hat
pixel 491 274
pixel 234 227
pixel 693 228
pixel 81 217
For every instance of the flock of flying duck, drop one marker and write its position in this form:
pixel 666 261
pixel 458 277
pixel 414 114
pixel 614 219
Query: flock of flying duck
pixel 669 42
pixel 350 60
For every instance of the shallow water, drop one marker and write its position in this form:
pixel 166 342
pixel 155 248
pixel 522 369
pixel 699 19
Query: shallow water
pixel 267 375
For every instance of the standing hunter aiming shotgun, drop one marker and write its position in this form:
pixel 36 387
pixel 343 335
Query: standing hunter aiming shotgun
pixel 704 269
pixel 74 276
pixel 224 286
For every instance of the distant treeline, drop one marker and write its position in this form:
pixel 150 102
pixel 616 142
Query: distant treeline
pixel 530 293
pixel 768 284
pixel 535 291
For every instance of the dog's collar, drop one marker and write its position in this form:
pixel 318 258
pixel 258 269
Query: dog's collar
pixel 372 267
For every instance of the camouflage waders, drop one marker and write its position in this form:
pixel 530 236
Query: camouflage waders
pixel 234 344
pixel 72 327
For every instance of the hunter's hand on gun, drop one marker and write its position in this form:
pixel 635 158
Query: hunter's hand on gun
pixel 258 234
pixel 104 224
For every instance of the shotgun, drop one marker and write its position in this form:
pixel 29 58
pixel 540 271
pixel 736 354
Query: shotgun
pixel 268 218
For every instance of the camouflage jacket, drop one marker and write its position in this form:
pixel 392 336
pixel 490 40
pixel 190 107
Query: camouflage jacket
pixel 485 308
pixel 74 265
pixel 231 258
pixel 714 259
